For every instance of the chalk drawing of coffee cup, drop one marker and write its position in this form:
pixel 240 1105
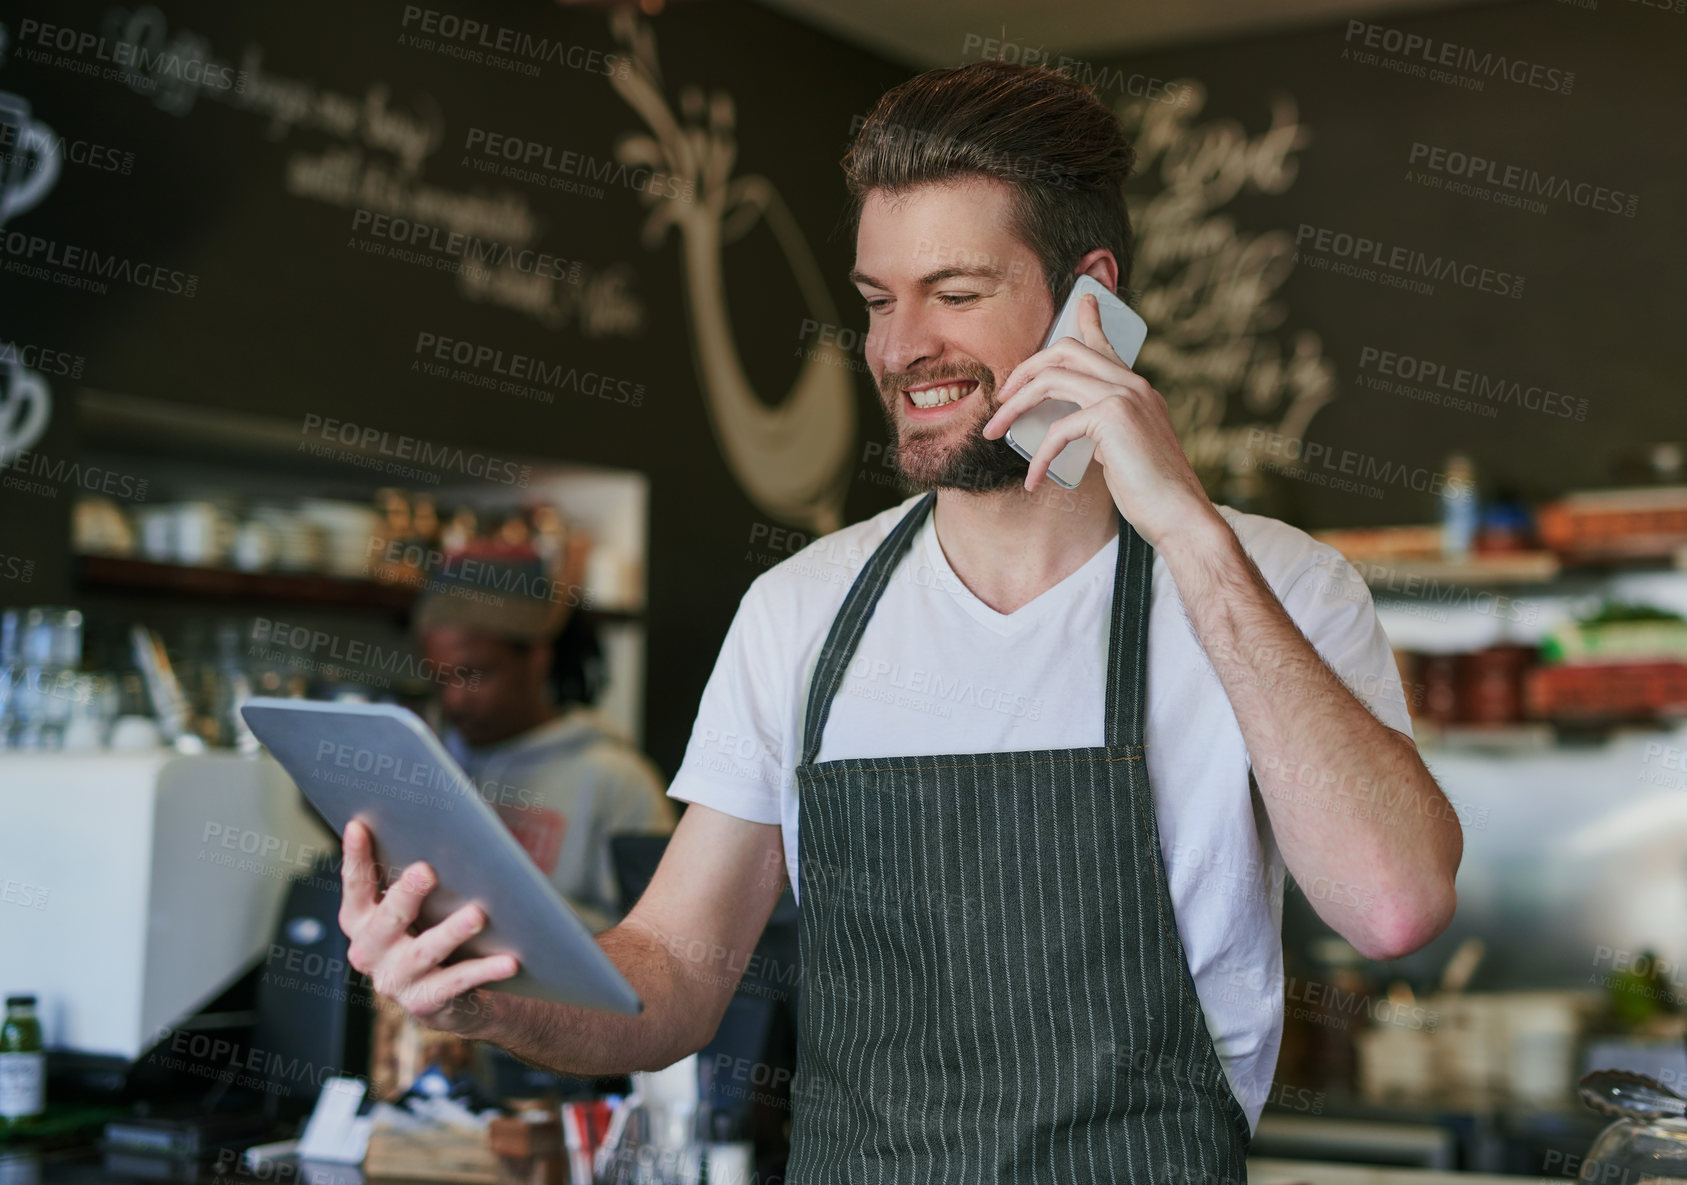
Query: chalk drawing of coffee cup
pixel 29 157
pixel 26 405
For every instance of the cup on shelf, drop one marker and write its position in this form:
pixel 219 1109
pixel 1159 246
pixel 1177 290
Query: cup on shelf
pixel 197 533
pixel 298 542
pixel 156 533
pixel 99 526
pixel 347 528
pixel 204 533
pixel 257 546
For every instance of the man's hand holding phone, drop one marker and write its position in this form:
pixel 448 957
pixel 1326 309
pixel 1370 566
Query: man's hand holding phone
pixel 404 965
pixel 1147 474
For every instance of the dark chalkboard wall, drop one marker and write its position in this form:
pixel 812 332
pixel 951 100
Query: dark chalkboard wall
pixel 1600 315
pixel 291 317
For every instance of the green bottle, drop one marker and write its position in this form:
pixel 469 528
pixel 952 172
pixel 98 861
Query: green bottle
pixel 23 1065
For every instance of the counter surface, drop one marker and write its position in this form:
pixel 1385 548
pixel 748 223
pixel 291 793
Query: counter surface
pixel 83 1166
pixel 1306 1172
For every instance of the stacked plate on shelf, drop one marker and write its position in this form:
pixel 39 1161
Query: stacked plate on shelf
pixel 275 535
pixel 347 528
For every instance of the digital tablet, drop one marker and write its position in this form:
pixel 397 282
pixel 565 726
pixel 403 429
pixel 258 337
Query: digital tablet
pixel 382 765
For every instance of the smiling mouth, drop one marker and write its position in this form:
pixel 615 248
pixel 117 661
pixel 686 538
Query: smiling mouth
pixel 941 394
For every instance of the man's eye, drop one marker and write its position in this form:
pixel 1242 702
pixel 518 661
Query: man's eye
pixel 952 299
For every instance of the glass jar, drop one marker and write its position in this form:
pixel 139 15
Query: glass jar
pixel 1638 1152
pixel 40 650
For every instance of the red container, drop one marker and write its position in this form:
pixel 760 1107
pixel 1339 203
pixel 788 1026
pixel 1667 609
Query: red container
pixel 1491 684
pixel 1607 690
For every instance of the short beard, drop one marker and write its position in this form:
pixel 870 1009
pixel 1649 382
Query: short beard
pixel 976 465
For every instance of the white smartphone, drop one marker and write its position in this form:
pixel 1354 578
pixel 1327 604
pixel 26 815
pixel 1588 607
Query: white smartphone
pixel 1125 333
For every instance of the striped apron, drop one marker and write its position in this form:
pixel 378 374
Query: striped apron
pixel 993 987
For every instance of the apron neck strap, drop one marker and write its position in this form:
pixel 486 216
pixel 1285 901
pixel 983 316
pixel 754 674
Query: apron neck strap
pixel 1127 647
pixel 1127 652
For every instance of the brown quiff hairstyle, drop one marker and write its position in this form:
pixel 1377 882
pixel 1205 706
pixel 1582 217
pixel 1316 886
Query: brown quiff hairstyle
pixel 1049 138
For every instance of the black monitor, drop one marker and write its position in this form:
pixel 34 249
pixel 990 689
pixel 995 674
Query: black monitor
pixel 746 1071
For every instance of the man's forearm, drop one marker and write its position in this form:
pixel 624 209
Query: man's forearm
pixel 1298 718
pixel 587 1042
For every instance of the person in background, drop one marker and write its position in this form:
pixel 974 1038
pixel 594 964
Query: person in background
pixel 524 725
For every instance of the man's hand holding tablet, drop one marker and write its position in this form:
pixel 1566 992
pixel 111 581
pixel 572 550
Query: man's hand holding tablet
pixel 468 937
pixel 406 966
pixel 684 947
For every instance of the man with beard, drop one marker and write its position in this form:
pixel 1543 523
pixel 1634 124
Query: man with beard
pixel 1036 766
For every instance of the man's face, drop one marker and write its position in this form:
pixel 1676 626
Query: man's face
pixel 954 303
pixel 510 691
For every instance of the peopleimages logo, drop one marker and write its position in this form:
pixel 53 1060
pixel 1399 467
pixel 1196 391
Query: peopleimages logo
pixel 464 249
pixel 57 363
pixel 1405 262
pixel 73 266
pixel 545 164
pixel 519 369
pixel 501 39
pixel 35 36
pixel 23 894
pixel 16 568
pixel 1424 53
pixel 1448 380
pixel 1671 769
pixel 306 648
pixel 920 681
pixel 85 153
pixel 1521 180
pixel 1099 78
pixel 410 448
pixel 1358 580
pixel 1265 446
pixel 450 573
pixel 1673 6
pixel 59 472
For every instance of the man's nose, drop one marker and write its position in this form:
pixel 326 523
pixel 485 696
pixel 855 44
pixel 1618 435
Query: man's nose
pixel 909 338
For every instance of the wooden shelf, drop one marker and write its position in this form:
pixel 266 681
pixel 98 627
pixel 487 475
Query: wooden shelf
pixel 1528 567
pixel 126 576
pixel 108 573
pixel 1530 736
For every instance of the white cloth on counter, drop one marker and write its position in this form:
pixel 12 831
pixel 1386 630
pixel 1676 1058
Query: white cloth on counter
pixel 938 671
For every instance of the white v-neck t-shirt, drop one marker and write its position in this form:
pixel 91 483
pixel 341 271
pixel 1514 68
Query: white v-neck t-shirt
pixel 939 671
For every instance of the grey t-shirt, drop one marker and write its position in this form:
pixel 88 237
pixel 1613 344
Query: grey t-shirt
pixel 563 789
